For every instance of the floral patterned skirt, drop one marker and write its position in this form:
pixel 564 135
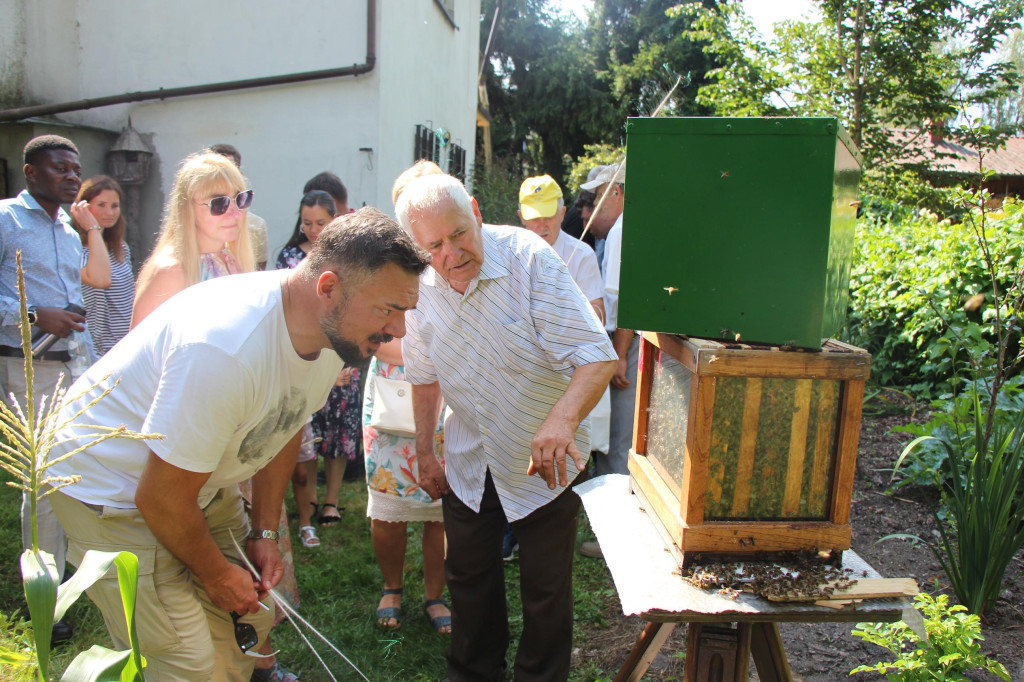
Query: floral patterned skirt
pixel 336 425
pixel 391 471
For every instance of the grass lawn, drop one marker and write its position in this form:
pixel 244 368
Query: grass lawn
pixel 339 583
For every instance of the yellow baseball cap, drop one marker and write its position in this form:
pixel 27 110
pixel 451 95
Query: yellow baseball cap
pixel 538 197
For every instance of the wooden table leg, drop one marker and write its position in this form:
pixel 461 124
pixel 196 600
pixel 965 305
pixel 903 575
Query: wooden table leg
pixel 768 654
pixel 646 648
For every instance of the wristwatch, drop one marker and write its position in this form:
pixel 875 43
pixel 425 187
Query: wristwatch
pixel 32 315
pixel 264 535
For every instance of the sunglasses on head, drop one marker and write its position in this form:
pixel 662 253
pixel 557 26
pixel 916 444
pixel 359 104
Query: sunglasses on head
pixel 220 205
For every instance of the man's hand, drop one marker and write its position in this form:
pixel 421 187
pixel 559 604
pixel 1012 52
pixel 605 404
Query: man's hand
pixel 59 321
pixel 265 555
pixel 619 379
pixel 432 478
pixel 233 590
pixel 555 439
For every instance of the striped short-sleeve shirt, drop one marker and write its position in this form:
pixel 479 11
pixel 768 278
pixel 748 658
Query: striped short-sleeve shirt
pixel 503 353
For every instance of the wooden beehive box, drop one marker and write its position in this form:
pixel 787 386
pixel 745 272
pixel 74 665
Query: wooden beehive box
pixel 747 451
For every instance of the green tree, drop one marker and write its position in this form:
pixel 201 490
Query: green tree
pixel 1006 112
pixel 555 85
pixel 542 85
pixel 875 64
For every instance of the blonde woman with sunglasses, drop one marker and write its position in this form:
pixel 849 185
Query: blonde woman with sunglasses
pixel 204 233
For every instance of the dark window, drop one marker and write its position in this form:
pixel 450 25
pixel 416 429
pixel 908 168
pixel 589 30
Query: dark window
pixel 429 145
pixel 426 146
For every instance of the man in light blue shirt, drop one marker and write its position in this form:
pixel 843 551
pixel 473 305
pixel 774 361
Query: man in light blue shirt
pixel 51 255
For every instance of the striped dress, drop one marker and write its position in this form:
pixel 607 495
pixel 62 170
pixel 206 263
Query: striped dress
pixel 108 312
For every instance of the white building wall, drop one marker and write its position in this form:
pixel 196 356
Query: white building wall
pixel 426 70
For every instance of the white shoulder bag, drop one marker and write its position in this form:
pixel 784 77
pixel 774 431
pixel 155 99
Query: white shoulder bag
pixel 392 407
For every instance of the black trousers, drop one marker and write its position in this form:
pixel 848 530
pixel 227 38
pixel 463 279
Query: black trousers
pixel 475 574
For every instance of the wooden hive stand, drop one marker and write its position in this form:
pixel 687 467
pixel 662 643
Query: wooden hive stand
pixel 743 450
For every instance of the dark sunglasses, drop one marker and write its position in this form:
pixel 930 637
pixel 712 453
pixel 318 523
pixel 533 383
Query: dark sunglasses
pixel 220 205
pixel 245 633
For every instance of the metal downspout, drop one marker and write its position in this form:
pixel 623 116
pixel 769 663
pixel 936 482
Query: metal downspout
pixel 227 86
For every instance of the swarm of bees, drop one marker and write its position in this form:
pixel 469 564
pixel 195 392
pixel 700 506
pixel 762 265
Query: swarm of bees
pixel 792 575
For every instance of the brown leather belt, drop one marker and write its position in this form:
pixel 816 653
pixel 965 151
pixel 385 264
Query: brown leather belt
pixel 50 355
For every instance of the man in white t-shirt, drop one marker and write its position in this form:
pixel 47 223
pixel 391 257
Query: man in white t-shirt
pixel 227 371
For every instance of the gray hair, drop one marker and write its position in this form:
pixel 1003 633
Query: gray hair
pixel 430 193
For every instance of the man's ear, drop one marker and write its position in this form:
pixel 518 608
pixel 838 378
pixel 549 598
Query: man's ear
pixel 328 288
pixel 476 212
pixel 30 172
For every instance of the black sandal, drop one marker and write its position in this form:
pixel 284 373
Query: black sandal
pixel 390 612
pixel 324 519
pixel 437 622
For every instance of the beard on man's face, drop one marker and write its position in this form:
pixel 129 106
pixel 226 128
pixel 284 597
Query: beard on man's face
pixel 348 350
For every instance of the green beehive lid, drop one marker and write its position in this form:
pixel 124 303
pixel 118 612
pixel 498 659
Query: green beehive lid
pixel 738 226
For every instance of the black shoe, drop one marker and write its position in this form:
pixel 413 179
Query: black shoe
pixel 62 632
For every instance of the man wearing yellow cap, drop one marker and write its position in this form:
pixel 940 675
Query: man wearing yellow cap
pixel 541 209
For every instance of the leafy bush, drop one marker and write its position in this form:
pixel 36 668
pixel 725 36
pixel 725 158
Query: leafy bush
pixel 895 193
pixel 496 190
pixel 908 286
pixel 983 499
pixel 951 648
pixel 950 421
pixel 594 155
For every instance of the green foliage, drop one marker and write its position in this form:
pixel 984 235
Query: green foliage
pixel 17 657
pixel 875 64
pixel 1006 112
pixel 594 155
pixel 952 420
pixel 542 78
pixel 554 84
pixel 982 528
pixel 909 282
pixel 746 73
pixel 497 190
pixel 892 194
pixel 950 650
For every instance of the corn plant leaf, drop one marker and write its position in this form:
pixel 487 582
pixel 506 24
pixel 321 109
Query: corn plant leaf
pixel 128 580
pixel 95 565
pixel 39 578
pixel 97 664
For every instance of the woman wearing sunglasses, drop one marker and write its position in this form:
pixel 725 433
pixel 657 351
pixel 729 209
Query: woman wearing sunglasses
pixel 205 235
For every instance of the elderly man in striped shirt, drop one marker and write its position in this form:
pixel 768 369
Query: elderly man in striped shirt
pixel 503 333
